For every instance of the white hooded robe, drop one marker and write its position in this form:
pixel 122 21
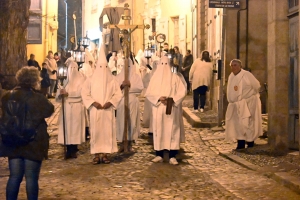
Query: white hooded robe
pixel 166 128
pixel 134 90
pixel 73 107
pixel 102 87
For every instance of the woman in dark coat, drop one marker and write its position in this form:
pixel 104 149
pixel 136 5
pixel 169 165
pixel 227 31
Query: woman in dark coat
pixel 27 159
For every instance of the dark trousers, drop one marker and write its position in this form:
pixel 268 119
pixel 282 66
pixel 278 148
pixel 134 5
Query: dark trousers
pixel 188 85
pixel 18 167
pixel 200 91
pixel 172 153
pixel 71 148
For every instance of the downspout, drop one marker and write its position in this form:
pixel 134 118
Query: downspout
pixel 192 38
pixel 238 31
pixel 222 70
pixel 66 46
pixel 83 29
pixel 247 25
pixel 46 29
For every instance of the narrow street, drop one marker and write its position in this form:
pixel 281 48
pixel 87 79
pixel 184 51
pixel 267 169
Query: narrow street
pixel 201 174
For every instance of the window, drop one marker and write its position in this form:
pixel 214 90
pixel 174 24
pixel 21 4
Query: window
pixel 293 3
pixel 176 31
pixel 34 29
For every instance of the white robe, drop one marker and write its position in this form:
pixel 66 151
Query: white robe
pixel 73 110
pixel 147 119
pixel 134 110
pixel 243 115
pixel 102 122
pixel 166 128
pixel 102 87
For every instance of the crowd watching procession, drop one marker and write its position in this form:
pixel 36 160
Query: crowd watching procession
pixel 93 97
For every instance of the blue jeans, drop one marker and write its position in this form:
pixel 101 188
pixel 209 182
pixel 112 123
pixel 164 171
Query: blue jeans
pixel 18 167
pixel 52 86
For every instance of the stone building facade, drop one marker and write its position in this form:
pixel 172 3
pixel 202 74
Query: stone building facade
pixel 263 34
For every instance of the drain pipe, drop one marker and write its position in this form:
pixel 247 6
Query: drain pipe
pixel 238 34
pixel 66 45
pixel 247 25
pixel 47 28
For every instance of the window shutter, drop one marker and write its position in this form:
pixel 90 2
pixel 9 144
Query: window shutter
pixel 34 29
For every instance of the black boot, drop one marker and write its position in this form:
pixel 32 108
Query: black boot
pixel 250 144
pixel 69 150
pixel 87 133
pixel 241 144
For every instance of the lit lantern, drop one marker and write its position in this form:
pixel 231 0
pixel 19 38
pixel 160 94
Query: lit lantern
pixel 62 73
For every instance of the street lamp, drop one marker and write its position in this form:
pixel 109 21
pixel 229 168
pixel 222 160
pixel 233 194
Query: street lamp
pixel 62 75
pixel 79 53
pixel 148 54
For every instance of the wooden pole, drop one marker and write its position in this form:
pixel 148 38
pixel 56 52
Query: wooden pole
pixel 63 113
pixel 126 30
pixel 64 124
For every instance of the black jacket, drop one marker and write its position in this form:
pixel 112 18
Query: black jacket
pixel 40 108
pixel 187 63
pixel 45 76
pixel 33 63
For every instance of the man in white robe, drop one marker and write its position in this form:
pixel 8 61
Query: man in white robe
pixel 101 95
pixel 73 110
pixel 243 115
pixel 166 128
pixel 136 86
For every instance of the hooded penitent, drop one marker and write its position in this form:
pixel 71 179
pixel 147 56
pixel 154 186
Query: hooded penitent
pixel 160 83
pixel 101 77
pixel 74 77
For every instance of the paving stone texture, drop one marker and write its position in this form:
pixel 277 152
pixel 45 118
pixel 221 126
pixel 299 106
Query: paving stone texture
pixel 201 174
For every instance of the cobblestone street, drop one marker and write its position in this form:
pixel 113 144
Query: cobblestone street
pixel 201 174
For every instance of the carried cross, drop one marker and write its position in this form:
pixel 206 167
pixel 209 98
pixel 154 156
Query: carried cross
pixel 126 31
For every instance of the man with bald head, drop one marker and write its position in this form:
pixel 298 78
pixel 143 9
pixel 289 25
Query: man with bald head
pixel 243 115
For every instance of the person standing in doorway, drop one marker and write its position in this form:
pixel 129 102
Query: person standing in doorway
pixel 51 69
pixel 243 115
pixel 200 77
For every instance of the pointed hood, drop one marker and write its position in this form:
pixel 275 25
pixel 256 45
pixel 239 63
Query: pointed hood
pixel 74 77
pixel 88 57
pixel 160 83
pixel 101 77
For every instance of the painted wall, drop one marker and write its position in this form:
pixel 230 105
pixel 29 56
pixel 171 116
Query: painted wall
pixel 166 10
pixel 49 36
pixel 91 12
